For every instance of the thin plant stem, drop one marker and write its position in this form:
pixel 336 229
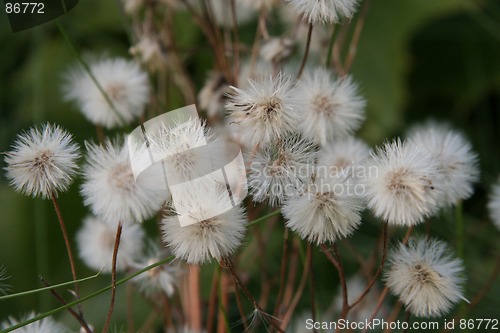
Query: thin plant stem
pixel 194 294
pixel 212 301
pixel 85 298
pixel 87 69
pixel 460 236
pixel 240 308
pixel 311 283
pixel 263 218
pixel 76 315
pixel 130 308
pixel 59 285
pixel 330 46
pixel 236 42
pixel 229 265
pixel 68 247
pixel 113 277
pixel 355 38
pixel 407 320
pixel 284 261
pixel 386 289
pixel 337 48
pixel 306 52
pixel 298 293
pixel 379 270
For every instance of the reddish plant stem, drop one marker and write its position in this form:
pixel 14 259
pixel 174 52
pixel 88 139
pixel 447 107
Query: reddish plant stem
pixel 227 263
pixel 113 277
pixel 386 289
pixel 69 251
pixel 212 301
pixel 298 293
pixel 306 52
pixel 355 38
pixel 311 284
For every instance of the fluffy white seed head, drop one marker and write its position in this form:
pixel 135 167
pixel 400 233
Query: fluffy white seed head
pixel 265 111
pixel 45 325
pixel 402 186
pixel 96 241
pixel 123 81
pixel 215 236
pixel 425 277
pixel 42 161
pixel 457 162
pixel 109 187
pixel 342 157
pixel 276 173
pixel 331 107
pixel 324 11
pixel 159 280
pixel 327 211
pixel 494 204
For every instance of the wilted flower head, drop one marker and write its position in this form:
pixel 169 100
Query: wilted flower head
pixel 151 52
pixel 264 112
pixel 425 277
pixel 331 108
pixel 42 162
pixel 213 94
pixel 96 241
pixel 494 204
pixel 45 325
pixel 277 49
pixel 276 173
pixel 158 280
pixel 324 11
pixel 123 82
pixel 457 162
pixel 405 187
pixel 215 236
pixel 109 187
pixel 328 210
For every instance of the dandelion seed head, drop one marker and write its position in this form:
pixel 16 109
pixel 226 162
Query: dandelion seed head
pixel 494 204
pixel 425 277
pixel 123 81
pixel 331 107
pixel 96 241
pixel 109 187
pixel 326 212
pixel 276 173
pixel 45 325
pixel 457 162
pixel 42 161
pixel 324 11
pixel 406 187
pixel 160 279
pixel 265 111
pixel 215 236
pixel 342 156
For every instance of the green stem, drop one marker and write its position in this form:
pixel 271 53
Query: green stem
pixel 459 220
pixel 34 291
pixel 94 294
pixel 263 218
pixel 330 47
pixel 87 69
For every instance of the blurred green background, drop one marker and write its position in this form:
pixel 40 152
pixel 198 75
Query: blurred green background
pixel 415 60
